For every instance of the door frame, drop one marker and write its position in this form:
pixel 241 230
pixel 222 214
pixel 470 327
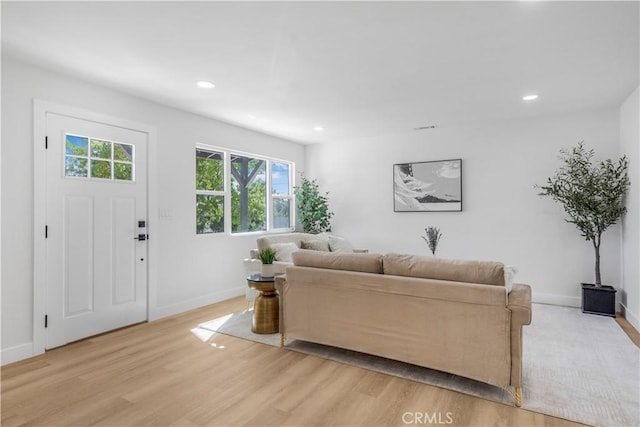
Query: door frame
pixel 40 110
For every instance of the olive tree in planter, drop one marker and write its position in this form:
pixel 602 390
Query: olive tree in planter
pixel 313 207
pixel 592 195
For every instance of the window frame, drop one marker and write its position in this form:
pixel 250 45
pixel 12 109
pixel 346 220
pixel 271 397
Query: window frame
pixel 226 193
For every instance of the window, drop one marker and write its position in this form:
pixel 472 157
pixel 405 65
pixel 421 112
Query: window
pixel 241 193
pixel 281 194
pixel 86 157
pixel 248 194
pixel 210 192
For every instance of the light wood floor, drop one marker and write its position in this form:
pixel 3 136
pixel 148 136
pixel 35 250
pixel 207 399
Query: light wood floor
pixel 628 329
pixel 161 374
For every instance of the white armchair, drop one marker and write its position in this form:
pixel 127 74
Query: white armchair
pixel 253 265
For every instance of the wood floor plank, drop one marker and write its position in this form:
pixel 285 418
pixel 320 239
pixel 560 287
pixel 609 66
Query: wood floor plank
pixel 170 373
pixel 628 329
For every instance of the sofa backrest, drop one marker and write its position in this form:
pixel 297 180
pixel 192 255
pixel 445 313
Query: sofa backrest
pixel 268 240
pixel 481 272
pixel 365 263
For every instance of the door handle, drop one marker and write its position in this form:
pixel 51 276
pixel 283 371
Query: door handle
pixel 142 237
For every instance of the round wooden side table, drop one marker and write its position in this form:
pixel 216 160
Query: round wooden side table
pixel 266 310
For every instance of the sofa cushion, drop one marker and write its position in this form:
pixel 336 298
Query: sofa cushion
pixel 365 263
pixel 315 245
pixel 482 272
pixel 339 244
pixel 284 251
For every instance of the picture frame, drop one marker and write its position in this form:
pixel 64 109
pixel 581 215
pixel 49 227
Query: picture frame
pixel 430 186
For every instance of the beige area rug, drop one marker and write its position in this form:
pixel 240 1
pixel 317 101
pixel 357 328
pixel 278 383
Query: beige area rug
pixel 576 366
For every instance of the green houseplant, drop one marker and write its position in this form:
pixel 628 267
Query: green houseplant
pixel 313 207
pixel 592 194
pixel 267 256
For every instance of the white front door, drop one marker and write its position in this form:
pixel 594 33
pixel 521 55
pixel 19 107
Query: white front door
pixel 96 263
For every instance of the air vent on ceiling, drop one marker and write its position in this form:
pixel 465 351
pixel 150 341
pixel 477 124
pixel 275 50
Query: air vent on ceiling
pixel 425 127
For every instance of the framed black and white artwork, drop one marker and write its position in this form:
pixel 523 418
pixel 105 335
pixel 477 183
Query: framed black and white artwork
pixel 428 186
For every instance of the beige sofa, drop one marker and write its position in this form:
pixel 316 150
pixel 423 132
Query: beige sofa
pixel 449 315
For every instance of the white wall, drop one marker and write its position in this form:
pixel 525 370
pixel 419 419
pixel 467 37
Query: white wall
pixel 503 218
pixel 629 141
pixel 191 270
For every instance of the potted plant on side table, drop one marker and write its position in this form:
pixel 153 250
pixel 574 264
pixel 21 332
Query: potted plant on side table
pixel 593 196
pixel 267 256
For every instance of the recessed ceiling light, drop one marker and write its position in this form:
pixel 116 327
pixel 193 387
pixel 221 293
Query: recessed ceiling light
pixel 318 128
pixel 530 97
pixel 205 84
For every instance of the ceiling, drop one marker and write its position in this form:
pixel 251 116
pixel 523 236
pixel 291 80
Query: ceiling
pixel 359 69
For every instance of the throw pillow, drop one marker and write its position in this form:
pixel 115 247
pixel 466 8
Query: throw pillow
pixel 284 251
pixel 339 244
pixel 509 273
pixel 316 245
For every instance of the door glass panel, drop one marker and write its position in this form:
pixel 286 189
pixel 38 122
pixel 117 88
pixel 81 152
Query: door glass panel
pixel 75 166
pixel 101 169
pixel 123 152
pixel 76 145
pixel 123 171
pixel 100 149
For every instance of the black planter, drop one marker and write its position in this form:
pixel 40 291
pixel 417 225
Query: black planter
pixel 598 300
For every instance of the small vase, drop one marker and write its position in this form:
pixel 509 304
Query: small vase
pixel 267 270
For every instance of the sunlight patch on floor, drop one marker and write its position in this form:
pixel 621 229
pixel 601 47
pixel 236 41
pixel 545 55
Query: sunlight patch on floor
pixel 206 331
pixel 203 335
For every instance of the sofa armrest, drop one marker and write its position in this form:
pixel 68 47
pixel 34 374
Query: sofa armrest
pixel 519 302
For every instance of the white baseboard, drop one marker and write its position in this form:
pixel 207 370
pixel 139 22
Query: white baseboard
pixel 631 318
pixel 170 310
pixel 556 299
pixel 16 353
